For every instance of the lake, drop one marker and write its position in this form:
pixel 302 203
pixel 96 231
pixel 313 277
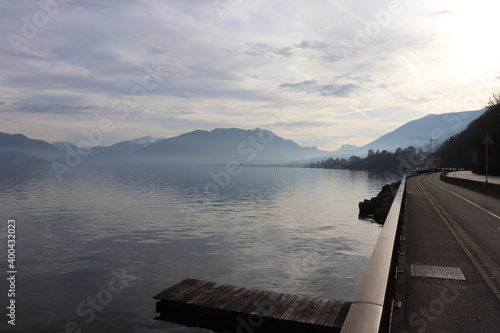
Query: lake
pixel 93 250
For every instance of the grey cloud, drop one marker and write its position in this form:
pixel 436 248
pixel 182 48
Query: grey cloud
pixel 286 52
pixel 322 51
pixel 301 124
pixel 342 90
pixel 263 49
pixel 331 89
pixel 188 124
pixel 157 50
pixel 329 52
pixel 51 108
pixel 311 44
pixel 300 85
pixel 95 51
pixel 334 56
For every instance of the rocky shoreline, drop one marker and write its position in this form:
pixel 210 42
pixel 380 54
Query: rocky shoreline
pixel 377 208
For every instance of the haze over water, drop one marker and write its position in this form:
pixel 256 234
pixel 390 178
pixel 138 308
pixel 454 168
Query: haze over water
pixel 290 230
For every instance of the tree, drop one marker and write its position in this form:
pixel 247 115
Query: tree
pixel 466 149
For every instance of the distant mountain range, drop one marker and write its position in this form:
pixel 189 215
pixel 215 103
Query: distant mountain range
pixel 222 145
pixel 22 144
pixel 417 133
pixel 128 146
pixel 197 147
pixel 17 159
pixel 256 146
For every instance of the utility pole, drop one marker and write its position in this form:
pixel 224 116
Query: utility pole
pixel 487 141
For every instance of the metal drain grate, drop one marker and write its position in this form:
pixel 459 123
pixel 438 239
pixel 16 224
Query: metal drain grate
pixel 440 272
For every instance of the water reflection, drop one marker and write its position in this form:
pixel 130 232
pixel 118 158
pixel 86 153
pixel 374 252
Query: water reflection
pixel 286 230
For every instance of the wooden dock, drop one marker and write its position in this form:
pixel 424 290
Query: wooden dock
pixel 226 308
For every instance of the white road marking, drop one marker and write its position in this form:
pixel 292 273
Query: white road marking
pixel 461 197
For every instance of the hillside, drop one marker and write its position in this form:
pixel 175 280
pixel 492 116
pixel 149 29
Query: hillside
pixel 468 150
pixel 128 146
pixel 197 147
pixel 22 144
pixel 257 146
pixel 13 159
pixel 417 133
pixel 224 144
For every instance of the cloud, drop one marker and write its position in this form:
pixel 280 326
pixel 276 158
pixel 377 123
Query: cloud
pixel 51 109
pixel 235 69
pixel 329 89
pixel 305 123
pixel 342 90
pixel 157 50
pixel 331 51
pixel 263 49
pixel 304 85
pixel 312 44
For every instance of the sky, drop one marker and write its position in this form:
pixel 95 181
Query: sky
pixel 322 73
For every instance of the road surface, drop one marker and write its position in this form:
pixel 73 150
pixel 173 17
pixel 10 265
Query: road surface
pixel 447 226
pixel 472 176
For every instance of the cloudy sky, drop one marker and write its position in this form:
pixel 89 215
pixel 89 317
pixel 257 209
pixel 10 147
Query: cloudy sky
pixel 323 72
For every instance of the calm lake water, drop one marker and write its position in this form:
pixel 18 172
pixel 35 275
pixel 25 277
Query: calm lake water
pixel 93 250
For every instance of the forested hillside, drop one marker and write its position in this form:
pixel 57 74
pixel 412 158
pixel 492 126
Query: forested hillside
pixel 468 149
pixel 397 162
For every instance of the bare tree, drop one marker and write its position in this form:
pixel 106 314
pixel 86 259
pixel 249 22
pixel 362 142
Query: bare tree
pixel 494 101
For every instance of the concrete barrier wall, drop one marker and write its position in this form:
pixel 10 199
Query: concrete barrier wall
pixel 371 308
pixel 480 187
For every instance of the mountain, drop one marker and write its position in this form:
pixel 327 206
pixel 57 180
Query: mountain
pixel 22 144
pixel 144 141
pixel 128 146
pixel 63 145
pixel 346 148
pixel 468 148
pixel 14 159
pixel 135 144
pixel 418 133
pixel 222 145
pixel 68 146
pixel 258 146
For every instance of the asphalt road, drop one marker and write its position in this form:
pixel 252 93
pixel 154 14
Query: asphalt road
pixel 472 176
pixel 449 226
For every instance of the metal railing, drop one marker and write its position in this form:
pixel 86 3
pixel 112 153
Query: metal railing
pixel 372 306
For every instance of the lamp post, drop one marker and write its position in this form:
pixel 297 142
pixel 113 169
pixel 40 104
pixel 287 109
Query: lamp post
pixel 487 141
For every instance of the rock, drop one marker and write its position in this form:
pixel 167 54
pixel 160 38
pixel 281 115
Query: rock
pixel 378 207
pixel 367 208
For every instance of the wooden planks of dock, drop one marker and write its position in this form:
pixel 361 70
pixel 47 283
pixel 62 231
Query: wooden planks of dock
pixel 226 308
